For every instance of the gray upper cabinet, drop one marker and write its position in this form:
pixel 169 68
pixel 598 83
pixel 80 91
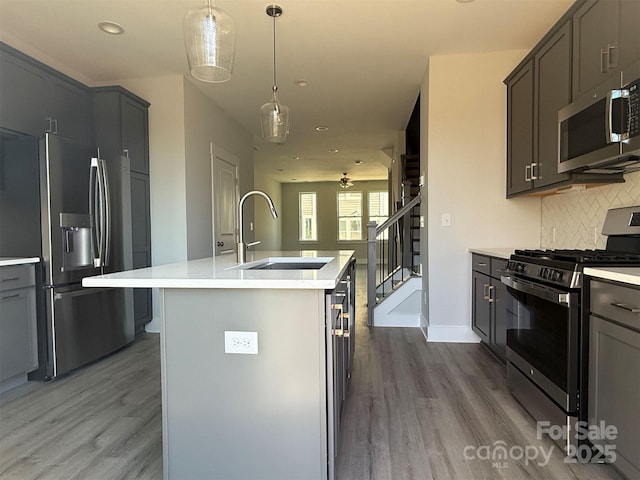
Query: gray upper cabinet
pixel 520 129
pixel 35 99
pixel 66 110
pixel 21 94
pixel 121 121
pixel 605 40
pixel 543 83
pixel 595 34
pixel 552 92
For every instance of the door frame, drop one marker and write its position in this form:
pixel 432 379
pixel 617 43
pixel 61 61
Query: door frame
pixel 218 151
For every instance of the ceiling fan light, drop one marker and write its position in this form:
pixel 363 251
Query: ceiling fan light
pixel 209 39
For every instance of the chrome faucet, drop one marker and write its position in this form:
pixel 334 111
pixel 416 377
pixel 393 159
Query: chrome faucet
pixel 242 248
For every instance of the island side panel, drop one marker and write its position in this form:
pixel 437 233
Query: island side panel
pixel 243 416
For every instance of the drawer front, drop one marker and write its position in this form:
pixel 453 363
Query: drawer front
pixel 616 302
pixel 497 266
pixel 481 263
pixel 16 276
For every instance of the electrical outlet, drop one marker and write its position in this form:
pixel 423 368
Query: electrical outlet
pixel 421 221
pixel 446 219
pixel 241 342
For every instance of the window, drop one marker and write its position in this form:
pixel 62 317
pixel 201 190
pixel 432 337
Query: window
pixel 350 216
pixel 308 217
pixel 378 207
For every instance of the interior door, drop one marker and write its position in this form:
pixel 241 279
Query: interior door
pixel 224 185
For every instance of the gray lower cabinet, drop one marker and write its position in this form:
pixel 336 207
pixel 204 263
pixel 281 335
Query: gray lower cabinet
pixel 273 414
pixel 489 303
pixel 18 328
pixel 614 372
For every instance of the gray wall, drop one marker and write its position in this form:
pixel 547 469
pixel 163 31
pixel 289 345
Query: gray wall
pixel 268 230
pixel 327 215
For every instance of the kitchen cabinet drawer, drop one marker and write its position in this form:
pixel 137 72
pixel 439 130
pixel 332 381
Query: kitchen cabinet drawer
pixel 616 302
pixel 497 266
pixel 16 276
pixel 481 263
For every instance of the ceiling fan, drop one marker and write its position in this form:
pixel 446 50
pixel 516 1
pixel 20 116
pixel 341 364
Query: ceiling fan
pixel 345 182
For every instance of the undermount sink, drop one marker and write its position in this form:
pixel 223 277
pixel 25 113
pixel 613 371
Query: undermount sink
pixel 286 263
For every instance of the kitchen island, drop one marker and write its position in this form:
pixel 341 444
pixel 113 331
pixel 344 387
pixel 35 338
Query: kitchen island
pixel 255 362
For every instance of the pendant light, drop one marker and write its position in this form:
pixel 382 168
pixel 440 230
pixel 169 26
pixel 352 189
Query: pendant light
pixel 274 116
pixel 209 39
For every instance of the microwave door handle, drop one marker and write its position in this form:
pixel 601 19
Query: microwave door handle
pixel 610 135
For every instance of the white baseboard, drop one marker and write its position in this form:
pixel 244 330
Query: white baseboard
pixel 451 334
pixel 153 326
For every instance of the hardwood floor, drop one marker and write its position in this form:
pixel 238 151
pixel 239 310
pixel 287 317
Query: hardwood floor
pixel 413 410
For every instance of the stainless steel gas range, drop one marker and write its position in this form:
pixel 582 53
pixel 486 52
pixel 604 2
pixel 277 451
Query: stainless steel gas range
pixel 547 330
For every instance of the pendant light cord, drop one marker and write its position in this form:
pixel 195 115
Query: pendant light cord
pixel 275 86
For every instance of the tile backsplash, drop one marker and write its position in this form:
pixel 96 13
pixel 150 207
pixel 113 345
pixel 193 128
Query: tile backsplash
pixel 574 219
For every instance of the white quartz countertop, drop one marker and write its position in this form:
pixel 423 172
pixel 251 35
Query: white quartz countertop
pixel 630 275
pixel 8 261
pixel 222 272
pixel 504 252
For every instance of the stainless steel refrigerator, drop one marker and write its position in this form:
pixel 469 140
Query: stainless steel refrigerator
pixel 84 229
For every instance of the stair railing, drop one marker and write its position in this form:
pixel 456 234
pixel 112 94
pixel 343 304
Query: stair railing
pixel 389 252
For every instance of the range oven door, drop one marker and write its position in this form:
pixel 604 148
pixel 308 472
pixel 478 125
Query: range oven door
pixel 543 339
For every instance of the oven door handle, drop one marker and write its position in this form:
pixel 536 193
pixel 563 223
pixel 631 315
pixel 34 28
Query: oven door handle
pixel 554 296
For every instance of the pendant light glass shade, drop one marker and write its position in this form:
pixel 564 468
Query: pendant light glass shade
pixel 274 117
pixel 210 42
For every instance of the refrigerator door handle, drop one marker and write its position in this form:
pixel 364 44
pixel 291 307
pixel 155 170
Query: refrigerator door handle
pixel 106 219
pixel 94 202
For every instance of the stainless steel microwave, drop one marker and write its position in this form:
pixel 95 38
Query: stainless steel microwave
pixel 600 133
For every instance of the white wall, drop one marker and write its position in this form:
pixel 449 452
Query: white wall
pixel 206 123
pixel 463 153
pixel 166 165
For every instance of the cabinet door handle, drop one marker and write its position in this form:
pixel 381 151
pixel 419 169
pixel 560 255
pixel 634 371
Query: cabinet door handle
pixel 481 264
pixel 612 61
pixel 11 296
pixel 126 152
pixel 603 64
pixel 527 173
pixel 533 171
pixel 12 279
pixel 626 307
pixel 491 297
pixel 486 291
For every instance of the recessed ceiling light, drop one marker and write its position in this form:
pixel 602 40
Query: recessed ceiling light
pixel 321 128
pixel 294 157
pixel 358 162
pixel 302 82
pixel 333 150
pixel 464 1
pixel 294 179
pixel 281 170
pixel 111 28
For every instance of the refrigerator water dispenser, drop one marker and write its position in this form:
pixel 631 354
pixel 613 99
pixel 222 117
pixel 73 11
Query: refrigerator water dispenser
pixel 76 241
